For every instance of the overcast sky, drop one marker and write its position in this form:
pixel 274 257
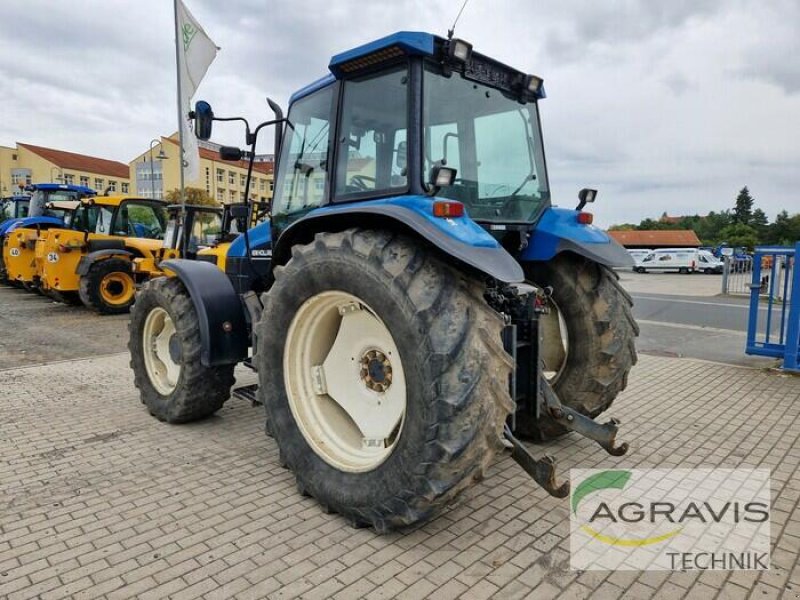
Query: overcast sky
pixel 661 105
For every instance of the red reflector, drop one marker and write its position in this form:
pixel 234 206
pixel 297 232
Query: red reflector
pixel 585 218
pixel 63 248
pixel 448 208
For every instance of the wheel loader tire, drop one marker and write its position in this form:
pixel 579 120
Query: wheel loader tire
pixel 454 369
pixel 601 334
pixel 109 288
pixel 198 391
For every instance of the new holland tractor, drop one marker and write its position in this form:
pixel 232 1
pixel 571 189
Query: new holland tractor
pixel 92 262
pixel 415 303
pixel 28 216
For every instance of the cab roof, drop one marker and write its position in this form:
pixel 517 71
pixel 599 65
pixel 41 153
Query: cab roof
pixel 82 189
pixel 117 200
pixel 388 48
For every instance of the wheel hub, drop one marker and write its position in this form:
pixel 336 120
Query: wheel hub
pixel 376 371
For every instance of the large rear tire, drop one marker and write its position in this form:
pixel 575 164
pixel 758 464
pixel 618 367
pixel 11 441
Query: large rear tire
pixel 165 352
pixel 109 288
pixel 600 334
pixel 407 350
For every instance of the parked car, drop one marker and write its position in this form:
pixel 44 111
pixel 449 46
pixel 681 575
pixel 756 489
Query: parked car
pixel 682 260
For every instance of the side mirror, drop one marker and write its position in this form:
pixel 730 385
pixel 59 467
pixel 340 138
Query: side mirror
pixel 585 196
pixel 203 119
pixel 402 155
pixel 231 153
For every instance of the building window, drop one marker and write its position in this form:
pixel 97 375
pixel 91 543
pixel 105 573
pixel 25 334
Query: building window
pixel 231 178
pixel 124 188
pixel 242 180
pixel 28 179
pixel 98 184
pixel 220 175
pixel 69 178
pixel 220 195
pixel 13 157
pixel 262 185
pixel 271 185
pixel 112 185
pixel 208 180
pixel 17 178
pixel 233 195
pixel 84 181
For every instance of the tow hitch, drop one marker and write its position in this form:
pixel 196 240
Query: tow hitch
pixel 523 304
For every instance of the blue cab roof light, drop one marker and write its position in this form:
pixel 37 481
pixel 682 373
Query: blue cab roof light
pixel 386 48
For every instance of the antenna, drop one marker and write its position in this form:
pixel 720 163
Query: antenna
pixel 452 30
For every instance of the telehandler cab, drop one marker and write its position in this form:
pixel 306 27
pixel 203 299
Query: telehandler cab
pixel 407 331
pixel 92 262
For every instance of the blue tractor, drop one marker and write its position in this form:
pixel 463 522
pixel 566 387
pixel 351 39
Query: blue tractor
pixel 415 303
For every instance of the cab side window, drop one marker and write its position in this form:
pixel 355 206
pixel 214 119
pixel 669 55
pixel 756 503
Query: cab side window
pixel 372 149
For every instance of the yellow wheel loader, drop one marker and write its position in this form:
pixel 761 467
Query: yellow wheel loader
pixel 19 244
pixel 93 261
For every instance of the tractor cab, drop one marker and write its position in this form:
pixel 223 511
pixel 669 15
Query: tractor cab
pixel 14 207
pixel 44 193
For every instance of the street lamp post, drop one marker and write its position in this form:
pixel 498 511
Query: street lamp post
pixel 161 156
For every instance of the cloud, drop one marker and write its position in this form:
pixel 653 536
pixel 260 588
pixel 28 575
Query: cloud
pixel 662 105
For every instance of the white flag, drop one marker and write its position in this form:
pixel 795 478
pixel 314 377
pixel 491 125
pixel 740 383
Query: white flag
pixel 196 51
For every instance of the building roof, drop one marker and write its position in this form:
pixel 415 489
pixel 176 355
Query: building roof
pixel 665 218
pixel 265 168
pixel 658 238
pixel 80 162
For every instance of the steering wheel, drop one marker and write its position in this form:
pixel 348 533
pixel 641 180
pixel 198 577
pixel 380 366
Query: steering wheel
pixel 360 182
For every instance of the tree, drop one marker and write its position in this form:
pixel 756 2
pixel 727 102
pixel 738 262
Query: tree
pixel 785 231
pixel 622 227
pixel 739 234
pixel 743 211
pixel 194 195
pixel 760 223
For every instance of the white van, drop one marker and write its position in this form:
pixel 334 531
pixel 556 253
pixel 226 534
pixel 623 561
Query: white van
pixel 638 255
pixel 708 263
pixel 682 260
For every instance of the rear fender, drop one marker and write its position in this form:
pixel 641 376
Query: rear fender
pixel 558 231
pixel 459 239
pixel 220 313
pixel 87 260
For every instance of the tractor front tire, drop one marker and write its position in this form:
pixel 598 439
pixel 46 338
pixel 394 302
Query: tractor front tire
pixel 108 288
pixel 375 322
pixel 600 332
pixel 165 350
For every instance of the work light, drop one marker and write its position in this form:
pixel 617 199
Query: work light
pixel 442 176
pixel 533 84
pixel 459 50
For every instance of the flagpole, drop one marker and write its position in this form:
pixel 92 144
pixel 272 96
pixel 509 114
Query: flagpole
pixel 180 105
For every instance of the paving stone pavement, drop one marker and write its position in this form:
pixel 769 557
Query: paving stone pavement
pixel 98 499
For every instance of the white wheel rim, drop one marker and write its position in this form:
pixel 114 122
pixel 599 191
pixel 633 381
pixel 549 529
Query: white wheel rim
pixel 344 381
pixel 161 367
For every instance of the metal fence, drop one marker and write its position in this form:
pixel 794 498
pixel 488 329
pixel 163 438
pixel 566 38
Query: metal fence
pixel 736 274
pixel 773 327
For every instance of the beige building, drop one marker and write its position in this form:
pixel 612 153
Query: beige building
pixel 153 177
pixel 26 164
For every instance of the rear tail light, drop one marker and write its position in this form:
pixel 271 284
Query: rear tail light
pixel 448 208
pixel 585 218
